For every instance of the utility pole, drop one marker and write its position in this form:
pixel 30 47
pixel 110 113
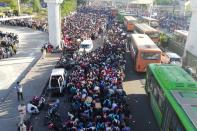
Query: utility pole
pixel 173 7
pixel 19 8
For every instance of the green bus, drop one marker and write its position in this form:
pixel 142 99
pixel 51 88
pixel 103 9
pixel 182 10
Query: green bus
pixel 122 14
pixel 173 97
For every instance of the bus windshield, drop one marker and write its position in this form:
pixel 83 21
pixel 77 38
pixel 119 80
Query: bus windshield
pixel 85 46
pixel 150 55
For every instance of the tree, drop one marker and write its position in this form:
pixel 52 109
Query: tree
pixel 68 6
pixel 36 5
pixel 12 3
pixel 25 1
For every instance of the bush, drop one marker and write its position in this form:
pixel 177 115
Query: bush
pixel 68 6
pixel 2 9
pixel 164 39
pixel 36 6
pixel 28 11
pixel 43 12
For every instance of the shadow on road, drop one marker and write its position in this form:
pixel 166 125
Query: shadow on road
pixel 142 115
pixel 130 73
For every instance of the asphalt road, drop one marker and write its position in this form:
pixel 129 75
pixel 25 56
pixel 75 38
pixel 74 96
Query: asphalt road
pixel 15 68
pixel 142 115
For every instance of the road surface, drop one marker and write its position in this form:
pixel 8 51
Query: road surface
pixel 14 68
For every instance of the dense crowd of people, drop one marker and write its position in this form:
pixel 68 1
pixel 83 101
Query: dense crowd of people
pixel 8 44
pixel 8 13
pixel 95 87
pixel 173 22
pixel 84 24
pixel 40 25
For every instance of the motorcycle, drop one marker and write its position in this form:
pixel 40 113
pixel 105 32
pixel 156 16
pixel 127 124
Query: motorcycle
pixel 56 126
pixel 38 101
pixel 26 126
pixel 52 113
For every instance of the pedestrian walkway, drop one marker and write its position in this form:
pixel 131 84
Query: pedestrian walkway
pixel 33 85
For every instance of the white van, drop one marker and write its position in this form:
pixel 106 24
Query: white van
pixel 57 81
pixel 86 46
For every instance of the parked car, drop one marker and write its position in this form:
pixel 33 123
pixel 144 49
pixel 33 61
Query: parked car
pixel 57 81
pixel 171 58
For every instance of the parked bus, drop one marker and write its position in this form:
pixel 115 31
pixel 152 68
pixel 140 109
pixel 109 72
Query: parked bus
pixel 144 51
pixel 151 32
pixel 151 21
pixel 180 37
pixel 172 93
pixel 129 22
pixel 122 14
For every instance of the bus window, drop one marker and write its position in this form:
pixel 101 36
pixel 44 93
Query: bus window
pixel 175 124
pixel 154 85
pixel 161 100
pixel 150 55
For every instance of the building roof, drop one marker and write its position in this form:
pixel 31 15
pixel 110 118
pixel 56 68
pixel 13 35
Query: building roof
pixel 182 32
pixel 144 42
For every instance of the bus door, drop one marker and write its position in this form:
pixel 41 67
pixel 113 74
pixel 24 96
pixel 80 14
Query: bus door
pixel 166 118
pixel 133 51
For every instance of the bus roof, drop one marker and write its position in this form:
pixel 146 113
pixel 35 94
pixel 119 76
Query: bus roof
pixel 130 18
pixel 149 18
pixel 173 77
pixel 145 28
pixel 181 32
pixel 142 41
pixel 186 105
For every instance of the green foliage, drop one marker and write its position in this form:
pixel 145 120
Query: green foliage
pixel 25 1
pixel 26 10
pixel 68 6
pixel 12 3
pixel 43 12
pixel 163 2
pixel 2 9
pixel 164 39
pixel 36 5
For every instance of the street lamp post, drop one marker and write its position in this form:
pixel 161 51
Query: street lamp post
pixel 19 8
pixel 173 7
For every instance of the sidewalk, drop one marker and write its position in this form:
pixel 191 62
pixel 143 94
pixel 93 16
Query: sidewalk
pixel 33 85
